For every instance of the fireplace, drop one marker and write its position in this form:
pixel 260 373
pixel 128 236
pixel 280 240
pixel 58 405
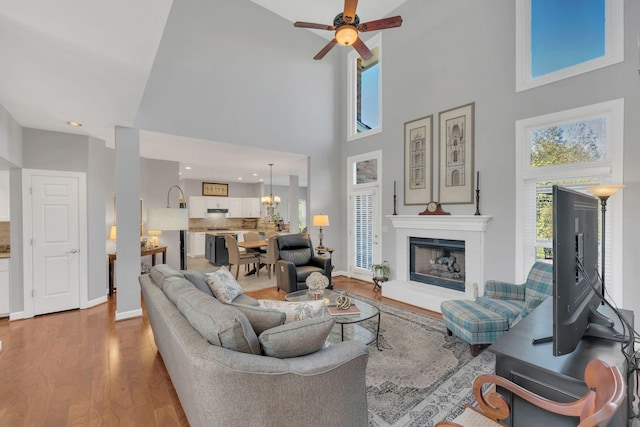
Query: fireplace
pixel 438 262
pixel 462 234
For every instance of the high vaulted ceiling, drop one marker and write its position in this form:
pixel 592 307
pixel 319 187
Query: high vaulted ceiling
pixel 89 61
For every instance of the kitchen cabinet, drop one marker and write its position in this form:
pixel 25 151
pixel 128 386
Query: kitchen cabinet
pixel 197 207
pixel 4 287
pixel 196 244
pixel 217 202
pixel 251 207
pixel 235 207
pixel 4 195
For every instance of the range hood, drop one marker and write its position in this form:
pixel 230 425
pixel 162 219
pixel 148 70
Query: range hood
pixel 212 211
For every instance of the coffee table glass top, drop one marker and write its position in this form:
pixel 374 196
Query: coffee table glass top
pixel 367 311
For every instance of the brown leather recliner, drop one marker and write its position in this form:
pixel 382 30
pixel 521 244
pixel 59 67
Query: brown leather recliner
pixel 297 261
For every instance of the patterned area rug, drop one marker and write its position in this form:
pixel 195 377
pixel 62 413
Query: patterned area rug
pixel 421 376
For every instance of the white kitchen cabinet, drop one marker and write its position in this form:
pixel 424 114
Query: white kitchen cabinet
pixel 217 202
pixel 250 207
pixel 235 207
pixel 4 287
pixel 196 244
pixel 4 195
pixel 197 207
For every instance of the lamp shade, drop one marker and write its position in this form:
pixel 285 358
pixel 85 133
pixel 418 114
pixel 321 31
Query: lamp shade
pixel 605 190
pixel 321 220
pixel 113 233
pixel 346 35
pixel 168 219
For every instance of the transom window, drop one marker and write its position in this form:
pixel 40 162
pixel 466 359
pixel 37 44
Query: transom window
pixel 560 39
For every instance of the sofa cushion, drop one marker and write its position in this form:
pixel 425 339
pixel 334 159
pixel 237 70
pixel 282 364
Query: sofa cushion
pixel 223 285
pixel 162 271
pixel 220 324
pixel 199 280
pixel 173 287
pixel 260 318
pixel 296 339
pixel 245 300
pixel 507 308
pixel 295 310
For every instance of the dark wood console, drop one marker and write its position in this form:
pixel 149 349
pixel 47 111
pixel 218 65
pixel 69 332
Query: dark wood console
pixel 558 378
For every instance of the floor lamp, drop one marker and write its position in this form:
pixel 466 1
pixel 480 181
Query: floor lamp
pixel 603 192
pixel 167 219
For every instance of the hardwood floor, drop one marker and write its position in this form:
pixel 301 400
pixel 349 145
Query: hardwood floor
pixel 80 368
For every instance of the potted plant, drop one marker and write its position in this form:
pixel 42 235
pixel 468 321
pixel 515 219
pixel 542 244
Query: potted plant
pixel 381 271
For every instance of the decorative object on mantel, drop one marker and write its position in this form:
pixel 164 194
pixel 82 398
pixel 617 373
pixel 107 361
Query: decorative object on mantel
pixel 394 198
pixel 456 154
pixel 434 208
pixel 478 193
pixel 418 149
pixel 316 282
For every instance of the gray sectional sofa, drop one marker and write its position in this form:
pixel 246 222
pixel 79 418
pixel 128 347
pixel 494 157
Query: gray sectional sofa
pixel 221 383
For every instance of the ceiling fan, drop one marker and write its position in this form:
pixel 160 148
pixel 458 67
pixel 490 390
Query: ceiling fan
pixel 347 26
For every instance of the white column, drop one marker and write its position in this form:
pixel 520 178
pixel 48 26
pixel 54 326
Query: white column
pixel 128 222
pixel 294 195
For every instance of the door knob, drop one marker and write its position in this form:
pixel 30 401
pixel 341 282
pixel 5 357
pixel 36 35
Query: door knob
pixel 72 251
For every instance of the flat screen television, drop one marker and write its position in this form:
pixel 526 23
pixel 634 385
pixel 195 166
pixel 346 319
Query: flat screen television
pixel 577 287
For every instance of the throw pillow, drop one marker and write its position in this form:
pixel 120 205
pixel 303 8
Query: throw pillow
pixel 223 285
pixel 220 324
pixel 296 339
pixel 198 279
pixel 260 318
pixel 296 310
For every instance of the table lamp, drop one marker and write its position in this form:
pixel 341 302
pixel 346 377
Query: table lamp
pixel 154 237
pixel 321 220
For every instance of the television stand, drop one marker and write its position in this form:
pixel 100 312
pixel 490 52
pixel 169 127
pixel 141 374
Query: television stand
pixel 559 378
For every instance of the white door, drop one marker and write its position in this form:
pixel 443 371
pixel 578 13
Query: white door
pixel 55 243
pixel 364 213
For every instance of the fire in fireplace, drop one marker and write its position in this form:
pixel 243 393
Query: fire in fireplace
pixel 438 262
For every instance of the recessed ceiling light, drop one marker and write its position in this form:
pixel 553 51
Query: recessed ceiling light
pixel 179 173
pixel 239 178
pixel 261 180
pixel 254 174
pixel 76 124
pixel 188 168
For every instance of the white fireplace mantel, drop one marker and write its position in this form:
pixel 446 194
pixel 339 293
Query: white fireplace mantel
pixel 469 228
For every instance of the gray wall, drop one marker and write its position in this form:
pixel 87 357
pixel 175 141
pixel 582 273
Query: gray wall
pixel 450 53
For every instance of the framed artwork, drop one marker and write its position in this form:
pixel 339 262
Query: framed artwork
pixel 418 149
pixel 213 189
pixel 456 127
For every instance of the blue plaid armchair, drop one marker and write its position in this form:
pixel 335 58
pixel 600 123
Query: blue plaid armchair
pixel 503 304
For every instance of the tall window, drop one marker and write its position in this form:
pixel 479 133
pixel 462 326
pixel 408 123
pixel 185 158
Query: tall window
pixel 364 102
pixel 559 39
pixel 573 148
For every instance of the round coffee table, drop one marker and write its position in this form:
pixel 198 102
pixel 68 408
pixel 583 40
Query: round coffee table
pixel 349 328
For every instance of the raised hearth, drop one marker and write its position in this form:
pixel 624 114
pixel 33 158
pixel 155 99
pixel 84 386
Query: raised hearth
pixel 468 228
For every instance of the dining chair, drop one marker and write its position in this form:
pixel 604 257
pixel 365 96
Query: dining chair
pixel 270 257
pixel 251 236
pixel 605 393
pixel 270 233
pixel 237 259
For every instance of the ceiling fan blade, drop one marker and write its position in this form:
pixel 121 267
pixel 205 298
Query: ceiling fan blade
pixel 349 14
pixel 314 26
pixel 325 49
pixel 380 24
pixel 362 49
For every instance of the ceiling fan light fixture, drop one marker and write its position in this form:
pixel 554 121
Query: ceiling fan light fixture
pixel 346 35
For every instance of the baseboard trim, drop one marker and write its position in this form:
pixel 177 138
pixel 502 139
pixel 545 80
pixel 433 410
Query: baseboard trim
pixel 128 314
pixel 94 302
pixel 18 315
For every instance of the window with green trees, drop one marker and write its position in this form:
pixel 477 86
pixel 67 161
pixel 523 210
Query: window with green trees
pixel 572 148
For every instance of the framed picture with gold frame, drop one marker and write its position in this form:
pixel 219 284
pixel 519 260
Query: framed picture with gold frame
pixel 456 154
pixel 214 189
pixel 418 149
